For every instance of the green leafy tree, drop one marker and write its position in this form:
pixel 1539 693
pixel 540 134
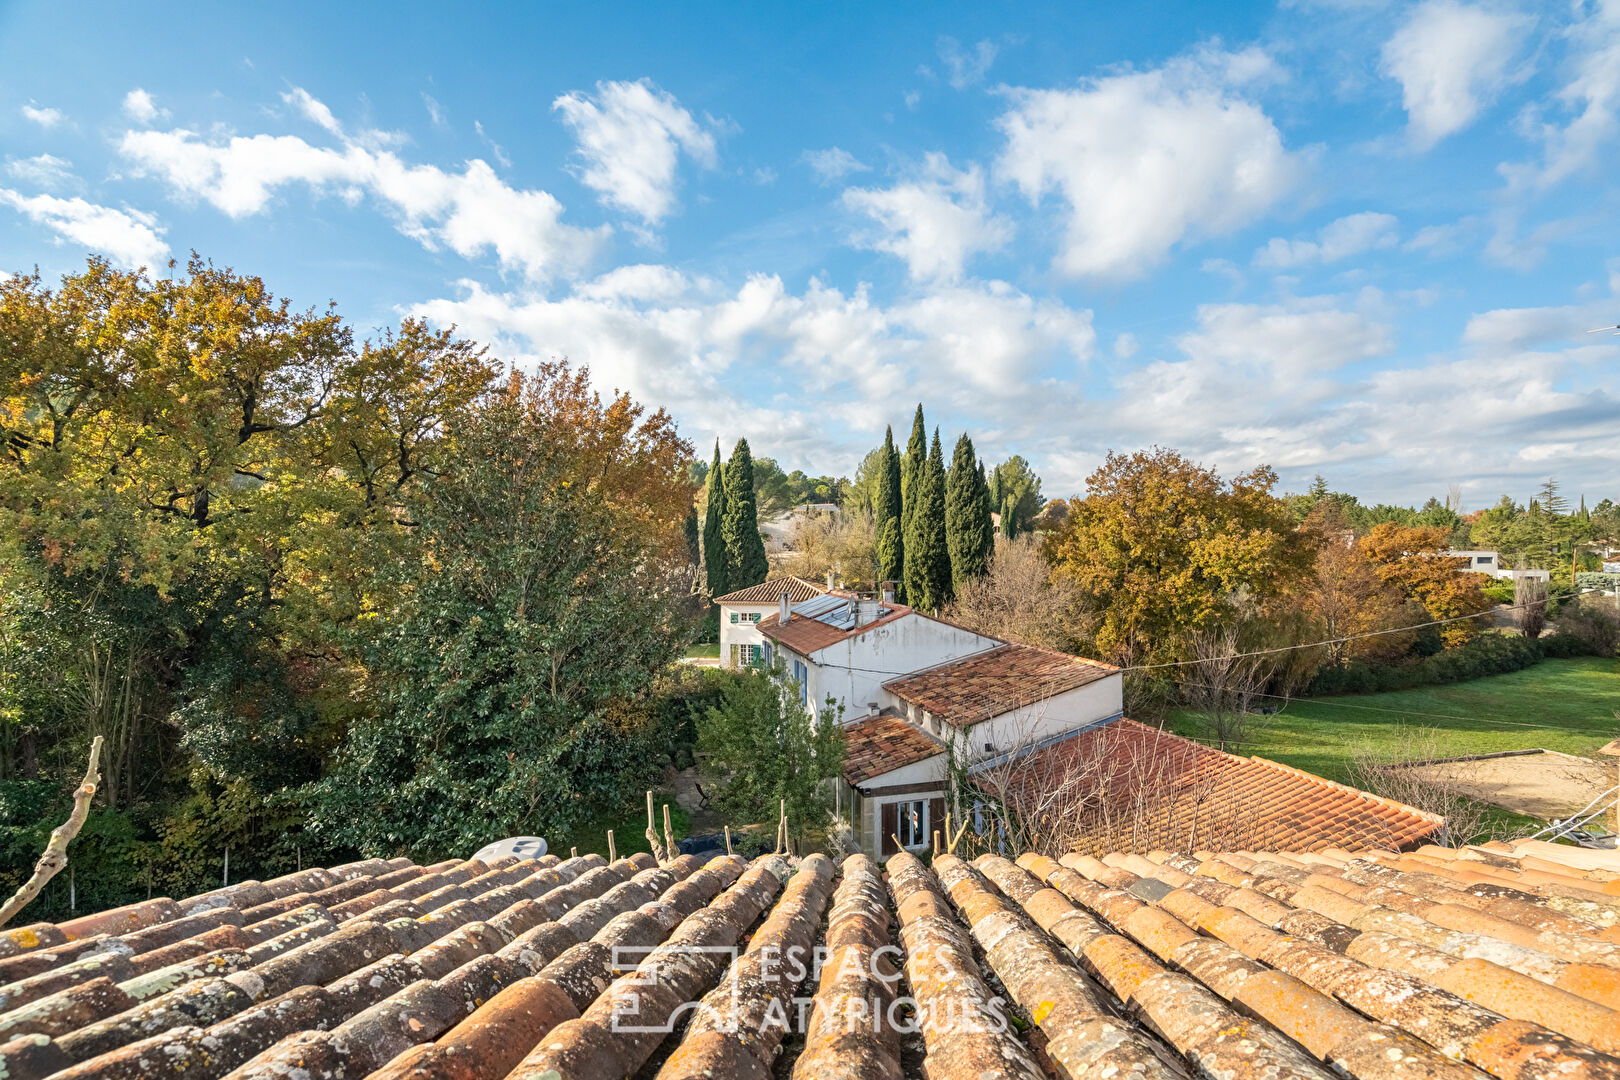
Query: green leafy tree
pixel 771 748
pixel 927 557
pixel 886 508
pixel 966 523
pixel 1163 550
pixel 714 541
pixel 745 550
pixel 860 497
pixel 1019 495
pixel 545 600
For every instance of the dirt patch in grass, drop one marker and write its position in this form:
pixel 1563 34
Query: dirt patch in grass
pixel 1544 785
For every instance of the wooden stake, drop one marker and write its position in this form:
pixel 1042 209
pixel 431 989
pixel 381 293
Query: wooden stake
pixel 612 854
pixel 669 834
pixel 653 845
pixel 728 839
pixel 947 831
pixel 55 856
pixel 897 842
pixel 573 853
pixel 936 843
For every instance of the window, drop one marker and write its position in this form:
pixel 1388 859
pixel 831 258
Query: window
pixel 913 824
pixel 747 654
pixel 802 675
pixel 755 617
pixel 734 617
pixel 1483 560
pixel 765 652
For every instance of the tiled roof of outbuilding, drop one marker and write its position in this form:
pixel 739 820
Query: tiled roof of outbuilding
pixel 770 592
pixel 1127 786
pixel 1280 965
pixel 997 681
pixel 881 744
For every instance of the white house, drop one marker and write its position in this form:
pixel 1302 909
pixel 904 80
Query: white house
pixel 1490 562
pixel 741 611
pixel 916 691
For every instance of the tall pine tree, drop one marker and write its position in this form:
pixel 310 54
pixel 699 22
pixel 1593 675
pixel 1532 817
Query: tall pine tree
pixel 964 530
pixel 714 541
pixel 928 560
pixel 886 507
pixel 745 551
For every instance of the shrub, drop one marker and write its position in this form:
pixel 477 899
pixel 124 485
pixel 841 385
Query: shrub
pixel 1489 654
pixel 1594 624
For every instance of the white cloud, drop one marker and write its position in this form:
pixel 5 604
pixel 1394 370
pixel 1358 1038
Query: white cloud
pixel 1126 346
pixel 630 136
pixel 435 110
pixel 494 147
pixel 44 116
pixel 966 68
pixel 1514 330
pixel 1451 60
pixel 707 352
pixel 934 222
pixel 833 163
pixel 470 212
pixel 1298 339
pixel 44 170
pixel 1590 97
pixel 1149 159
pixel 313 110
pixel 140 107
pixel 1337 240
pixel 128 237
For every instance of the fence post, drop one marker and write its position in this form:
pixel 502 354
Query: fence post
pixel 226 878
pixel 73 891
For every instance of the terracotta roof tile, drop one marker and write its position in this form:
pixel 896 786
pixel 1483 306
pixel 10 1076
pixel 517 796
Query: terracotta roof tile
pixel 1250 961
pixel 805 635
pixel 990 683
pixel 881 744
pixel 770 592
pixel 1189 796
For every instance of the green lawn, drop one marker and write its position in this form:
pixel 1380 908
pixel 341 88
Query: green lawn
pixel 709 651
pixel 629 832
pixel 1566 705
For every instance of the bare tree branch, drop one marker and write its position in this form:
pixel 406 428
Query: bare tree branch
pixel 55 858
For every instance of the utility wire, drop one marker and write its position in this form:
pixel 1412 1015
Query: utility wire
pixel 1218 659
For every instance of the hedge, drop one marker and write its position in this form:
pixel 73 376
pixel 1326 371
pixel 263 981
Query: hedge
pixel 1489 654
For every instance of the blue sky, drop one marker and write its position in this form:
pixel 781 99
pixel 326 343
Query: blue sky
pixel 1349 238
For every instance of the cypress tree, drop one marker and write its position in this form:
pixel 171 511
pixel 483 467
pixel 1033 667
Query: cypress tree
pixel 1009 527
pixel 987 525
pixel 964 532
pixel 714 541
pixel 911 466
pixel 891 554
pixel 886 508
pixel 928 561
pixel 745 552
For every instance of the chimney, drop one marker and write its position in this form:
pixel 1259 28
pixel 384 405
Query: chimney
pixel 831 585
pixel 887 591
pixel 786 611
pixel 850 610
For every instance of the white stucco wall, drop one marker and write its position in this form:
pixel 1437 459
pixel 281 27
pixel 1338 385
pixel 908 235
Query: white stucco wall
pixel 854 670
pixel 1029 724
pixel 741 633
